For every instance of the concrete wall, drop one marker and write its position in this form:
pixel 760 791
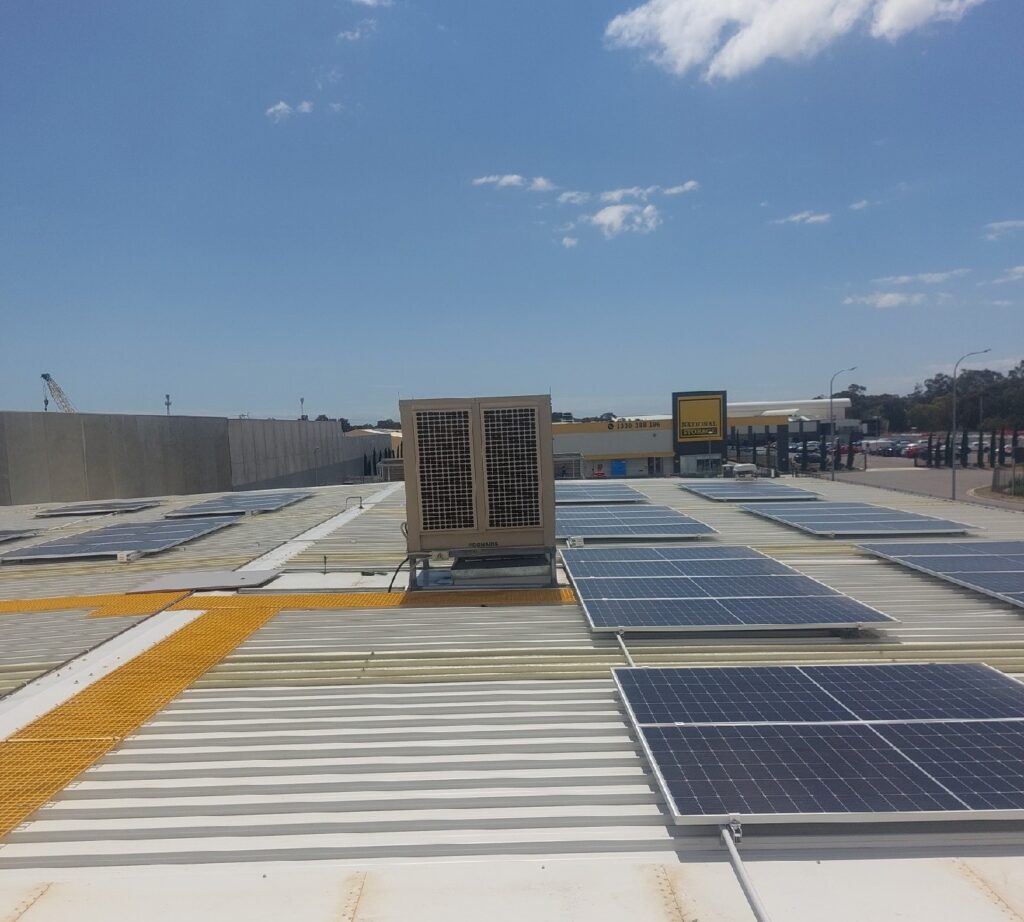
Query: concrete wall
pixel 46 457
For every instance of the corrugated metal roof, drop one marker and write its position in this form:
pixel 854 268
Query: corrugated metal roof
pixel 379 740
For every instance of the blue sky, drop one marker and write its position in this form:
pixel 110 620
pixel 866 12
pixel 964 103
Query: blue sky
pixel 242 203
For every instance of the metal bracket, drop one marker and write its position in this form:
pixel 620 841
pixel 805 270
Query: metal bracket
pixel 736 830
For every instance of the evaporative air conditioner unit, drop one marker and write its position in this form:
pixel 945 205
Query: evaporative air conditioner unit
pixel 479 473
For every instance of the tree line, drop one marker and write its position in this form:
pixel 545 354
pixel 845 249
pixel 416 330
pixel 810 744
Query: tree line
pixel 986 400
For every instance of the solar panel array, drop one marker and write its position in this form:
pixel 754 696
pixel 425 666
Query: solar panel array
pixel 831 743
pixel 240 504
pixel 639 521
pixel 738 491
pixel 578 493
pixel 14 534
pixel 99 507
pixel 851 519
pixel 135 537
pixel 716 588
pixel 995 568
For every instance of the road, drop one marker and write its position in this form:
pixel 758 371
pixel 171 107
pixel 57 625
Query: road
pixel 900 474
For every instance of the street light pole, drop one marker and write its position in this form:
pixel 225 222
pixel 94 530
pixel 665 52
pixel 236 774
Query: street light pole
pixel 832 416
pixel 952 472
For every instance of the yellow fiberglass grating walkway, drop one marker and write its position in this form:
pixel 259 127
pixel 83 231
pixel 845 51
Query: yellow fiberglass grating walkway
pixel 43 758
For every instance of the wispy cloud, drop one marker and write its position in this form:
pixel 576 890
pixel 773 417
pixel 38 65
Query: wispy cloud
pixel 574 198
pixel 618 219
pixel 542 184
pixel 643 193
pixel 364 28
pixel 281 111
pixel 727 39
pixel 501 181
pixel 1013 274
pixel 304 107
pixel 997 229
pixel 372 2
pixel 805 217
pixel 859 205
pixel 569 242
pixel 925 278
pixel 886 299
pixel 691 185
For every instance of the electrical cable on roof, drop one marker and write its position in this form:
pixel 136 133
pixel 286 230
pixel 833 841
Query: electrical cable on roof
pixel 394 575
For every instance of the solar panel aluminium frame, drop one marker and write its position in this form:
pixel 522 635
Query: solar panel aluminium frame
pixel 733 628
pixel 616 495
pixel 98 507
pixel 650 510
pixel 32 553
pixel 196 511
pixel 789 819
pixel 868 532
pixel 15 534
pixel 766 497
pixel 948 577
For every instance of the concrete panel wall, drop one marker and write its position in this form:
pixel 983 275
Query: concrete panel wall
pixel 47 457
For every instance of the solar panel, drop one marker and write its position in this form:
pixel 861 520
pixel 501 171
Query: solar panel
pixel 835 519
pixel 99 507
pixel 691 590
pixel 14 535
pixel 641 521
pixel 831 743
pixel 134 538
pixel 738 491
pixel 995 568
pixel 583 493
pixel 239 504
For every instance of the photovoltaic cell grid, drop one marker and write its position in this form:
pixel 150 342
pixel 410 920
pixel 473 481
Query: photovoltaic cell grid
pixel 705 589
pixel 640 521
pixel 832 743
pixel 239 504
pixel 137 537
pixel 738 491
pixel 995 568
pixel 579 493
pixel 835 519
pixel 99 507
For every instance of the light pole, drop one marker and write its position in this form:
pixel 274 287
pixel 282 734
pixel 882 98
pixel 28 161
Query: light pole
pixel 832 416
pixel 952 471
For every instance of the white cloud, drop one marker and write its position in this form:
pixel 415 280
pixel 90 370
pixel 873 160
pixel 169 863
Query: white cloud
pixel 926 278
pixel 886 299
pixel 372 2
pixel 617 195
pixel 335 106
pixel 305 107
pixel 728 38
pixel 1001 303
pixel 366 27
pixel 617 219
pixel 542 184
pixel 1013 274
pixel 691 185
pixel 860 206
pixel 279 111
pixel 569 242
pixel 504 181
pixel 573 198
pixel 805 217
pixel 996 229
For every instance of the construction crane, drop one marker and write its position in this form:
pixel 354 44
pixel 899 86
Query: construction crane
pixel 59 397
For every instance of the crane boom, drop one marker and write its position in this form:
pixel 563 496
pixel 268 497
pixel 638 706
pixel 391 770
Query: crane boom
pixel 59 397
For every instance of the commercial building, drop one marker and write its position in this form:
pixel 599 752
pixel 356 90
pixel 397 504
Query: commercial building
pixel 643 446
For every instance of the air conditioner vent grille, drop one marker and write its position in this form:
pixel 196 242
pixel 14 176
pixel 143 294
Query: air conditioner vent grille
pixel 511 463
pixel 445 469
